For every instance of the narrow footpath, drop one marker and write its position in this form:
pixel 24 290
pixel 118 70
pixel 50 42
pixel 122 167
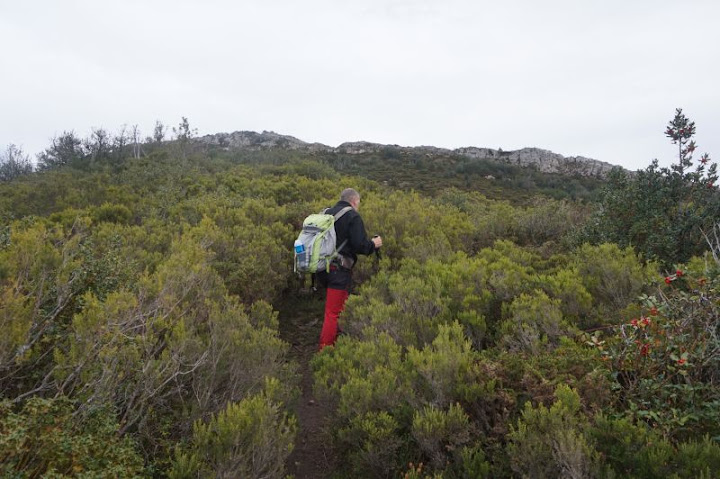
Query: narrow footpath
pixel 301 317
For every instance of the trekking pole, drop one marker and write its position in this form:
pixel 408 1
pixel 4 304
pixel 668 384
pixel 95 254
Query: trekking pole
pixel 377 250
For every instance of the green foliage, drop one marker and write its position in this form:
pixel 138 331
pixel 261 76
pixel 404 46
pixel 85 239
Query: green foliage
pixel 363 376
pixel 441 434
pixel 661 211
pixel 630 450
pixel 443 230
pixel 551 442
pixel 179 341
pixel 446 369
pixel 576 302
pixel 532 322
pixel 144 287
pixel 252 439
pixel 543 222
pixel 43 439
pixel 667 360
pixel 614 277
pixel 376 389
pixel 112 214
pixel 431 173
pixel 548 220
pixel 373 444
pixel 65 150
pixel 14 163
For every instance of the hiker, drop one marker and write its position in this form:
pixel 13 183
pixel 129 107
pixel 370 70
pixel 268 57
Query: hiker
pixel 352 240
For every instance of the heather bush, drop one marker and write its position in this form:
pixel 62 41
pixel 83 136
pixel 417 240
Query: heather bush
pixel 363 376
pixel 251 438
pixel 547 220
pixel 446 369
pixel 532 322
pixel 376 388
pixel 441 434
pixel 613 276
pixel 576 302
pixel 112 214
pixel 373 444
pixel 491 220
pixel 635 450
pixel 550 442
pixel 441 232
pixel 42 438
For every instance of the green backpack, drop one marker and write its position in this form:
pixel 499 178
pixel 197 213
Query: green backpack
pixel 315 246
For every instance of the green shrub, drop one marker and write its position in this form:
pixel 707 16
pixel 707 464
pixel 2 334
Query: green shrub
pixel 441 434
pixel 44 439
pixel 699 458
pixel 667 361
pixel 112 214
pixel 363 376
pixel 661 211
pixel 372 442
pixel 547 221
pixel 551 442
pixel 532 322
pixel 446 368
pixel 251 438
pixel 634 450
pixel 575 300
pixel 613 276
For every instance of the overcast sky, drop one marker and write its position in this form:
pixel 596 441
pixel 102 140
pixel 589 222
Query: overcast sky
pixel 590 78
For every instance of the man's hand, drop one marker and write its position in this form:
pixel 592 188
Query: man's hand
pixel 377 241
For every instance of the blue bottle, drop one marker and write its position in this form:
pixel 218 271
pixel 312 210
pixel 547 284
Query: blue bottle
pixel 299 247
pixel 302 259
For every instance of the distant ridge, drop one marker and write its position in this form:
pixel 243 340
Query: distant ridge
pixel 543 160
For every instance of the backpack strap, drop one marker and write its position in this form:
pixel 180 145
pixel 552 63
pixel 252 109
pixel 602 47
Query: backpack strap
pixel 339 214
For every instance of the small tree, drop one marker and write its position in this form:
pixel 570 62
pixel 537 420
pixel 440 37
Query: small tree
pixel 183 133
pixel 661 211
pixel 120 141
pixel 13 163
pixel 137 148
pixel 98 144
pixel 158 132
pixel 66 149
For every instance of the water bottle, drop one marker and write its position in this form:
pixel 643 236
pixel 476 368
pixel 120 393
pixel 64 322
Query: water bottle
pixel 299 247
pixel 301 255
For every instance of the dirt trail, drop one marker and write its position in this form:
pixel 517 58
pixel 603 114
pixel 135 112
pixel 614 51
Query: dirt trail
pixel 301 317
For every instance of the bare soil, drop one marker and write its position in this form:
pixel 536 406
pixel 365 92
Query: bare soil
pixel 301 318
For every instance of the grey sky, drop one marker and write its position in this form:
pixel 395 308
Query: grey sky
pixel 597 79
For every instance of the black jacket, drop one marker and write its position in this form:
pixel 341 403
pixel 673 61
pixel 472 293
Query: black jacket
pixel 350 227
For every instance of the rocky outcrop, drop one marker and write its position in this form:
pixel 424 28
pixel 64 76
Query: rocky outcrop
pixel 542 160
pixel 251 140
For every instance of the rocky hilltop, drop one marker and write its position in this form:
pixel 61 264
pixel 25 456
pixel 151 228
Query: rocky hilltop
pixel 542 160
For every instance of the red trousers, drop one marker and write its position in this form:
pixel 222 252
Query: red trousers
pixel 334 304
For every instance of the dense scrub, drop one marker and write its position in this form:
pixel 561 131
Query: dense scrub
pixel 138 303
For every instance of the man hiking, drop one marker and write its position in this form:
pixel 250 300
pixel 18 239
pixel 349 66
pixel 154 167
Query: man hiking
pixel 352 241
